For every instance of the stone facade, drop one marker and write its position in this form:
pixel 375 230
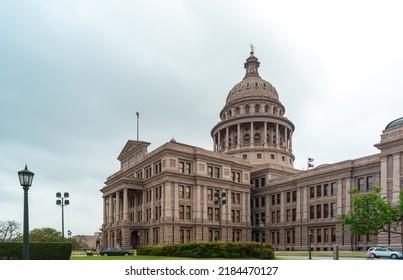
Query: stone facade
pixel 247 185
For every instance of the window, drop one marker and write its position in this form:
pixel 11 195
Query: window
pixel 257 202
pixel 333 233
pixel 216 213
pixel 257 108
pixel 216 172
pixel 259 156
pixel 210 194
pixel 157 167
pixel 187 192
pixel 312 192
pixel 370 181
pixel 238 216
pixel 272 156
pixel 210 213
pixel 318 211
pixel 333 209
pixel 360 184
pixel 185 167
pixel 326 235
pixel 262 201
pixel 188 214
pixel 247 109
pixel 312 212
pixel 319 235
pixel 236 176
pixel 288 197
pixel 288 218
pixel 319 191
pixel 294 214
pixel 262 181
pixel 325 210
pixel 294 196
pixel 238 111
pixel 325 189
pixel 147 171
pixel 333 189
pixel 266 108
pixel 244 156
pixel 257 138
pixel 246 139
pixel 181 212
pixel 273 199
pixel 210 171
pixel 181 191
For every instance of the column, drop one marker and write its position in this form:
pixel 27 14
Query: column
pixel 168 202
pixel 277 136
pixel 238 135
pixel 252 135
pixel 226 139
pixel 105 216
pixel 110 209
pixel 265 135
pixel 117 208
pixel 125 206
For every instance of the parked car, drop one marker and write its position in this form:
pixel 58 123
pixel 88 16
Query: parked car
pixel 383 252
pixel 114 251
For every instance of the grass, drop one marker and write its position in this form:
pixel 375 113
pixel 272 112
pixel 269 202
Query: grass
pixel 282 255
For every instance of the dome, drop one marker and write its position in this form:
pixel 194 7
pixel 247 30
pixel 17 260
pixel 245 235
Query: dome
pixel 395 123
pixel 252 86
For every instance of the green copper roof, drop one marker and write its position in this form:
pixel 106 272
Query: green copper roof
pixel 395 123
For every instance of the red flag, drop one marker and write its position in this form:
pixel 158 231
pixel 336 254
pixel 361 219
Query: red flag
pixel 137 114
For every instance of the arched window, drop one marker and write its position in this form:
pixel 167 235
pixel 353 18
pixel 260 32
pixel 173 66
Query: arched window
pixel 229 113
pixel 257 108
pixel 238 111
pixel 246 139
pixel 266 108
pixel 247 109
pixel 257 138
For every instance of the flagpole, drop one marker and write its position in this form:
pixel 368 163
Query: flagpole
pixel 137 114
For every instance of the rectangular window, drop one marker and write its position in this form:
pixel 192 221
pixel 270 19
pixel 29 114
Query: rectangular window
pixel 188 213
pixel 326 235
pixel 210 194
pixel 273 217
pixel 278 216
pixel 257 202
pixel 333 189
pixel 326 210
pixel 325 189
pixel 217 172
pixel 294 214
pixel 210 213
pixel 312 212
pixel 238 216
pixel 288 218
pixel 319 235
pixel 278 199
pixel 318 190
pixel 181 212
pixel 294 196
pixel 210 171
pixel 216 212
pixel 181 191
pixel 288 197
pixel 311 192
pixel 360 184
pixel 318 211
pixel 238 198
pixel 262 181
pixel 262 201
pixel 233 216
pixel 187 192
pixel 333 233
pixel 273 199
pixel 370 181
pixel 333 209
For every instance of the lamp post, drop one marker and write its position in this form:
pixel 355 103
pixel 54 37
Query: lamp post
pixel 261 225
pixel 25 177
pixel 220 199
pixel 309 244
pixel 69 233
pixel 62 201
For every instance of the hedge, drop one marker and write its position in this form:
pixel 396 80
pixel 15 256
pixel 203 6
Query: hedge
pixel 37 251
pixel 234 250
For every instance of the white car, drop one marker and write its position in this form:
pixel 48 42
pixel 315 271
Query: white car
pixel 383 252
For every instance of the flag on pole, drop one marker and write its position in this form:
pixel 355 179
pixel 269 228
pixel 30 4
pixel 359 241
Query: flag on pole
pixel 310 163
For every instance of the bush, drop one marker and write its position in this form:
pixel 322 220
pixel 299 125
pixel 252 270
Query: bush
pixel 37 251
pixel 209 250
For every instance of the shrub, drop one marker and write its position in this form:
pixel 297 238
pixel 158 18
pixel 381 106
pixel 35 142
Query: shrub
pixel 209 250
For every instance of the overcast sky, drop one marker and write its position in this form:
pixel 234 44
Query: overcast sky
pixel 74 73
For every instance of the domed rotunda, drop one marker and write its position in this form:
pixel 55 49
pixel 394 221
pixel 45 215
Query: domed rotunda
pixel 253 126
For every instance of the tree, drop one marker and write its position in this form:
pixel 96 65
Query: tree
pixel 373 214
pixel 44 235
pixel 9 231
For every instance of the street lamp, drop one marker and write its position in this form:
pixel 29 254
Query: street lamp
pixel 62 201
pixel 25 177
pixel 261 225
pixel 220 199
pixel 69 233
pixel 309 244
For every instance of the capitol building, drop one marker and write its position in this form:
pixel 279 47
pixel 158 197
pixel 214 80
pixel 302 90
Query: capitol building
pixel 246 187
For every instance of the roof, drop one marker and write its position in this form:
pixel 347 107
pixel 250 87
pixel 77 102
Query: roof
pixel 395 123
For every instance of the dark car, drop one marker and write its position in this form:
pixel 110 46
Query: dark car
pixel 114 251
